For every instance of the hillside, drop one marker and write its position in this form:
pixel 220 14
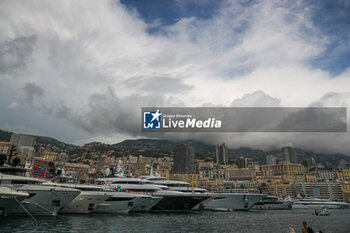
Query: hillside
pixel 48 142
pixel 162 147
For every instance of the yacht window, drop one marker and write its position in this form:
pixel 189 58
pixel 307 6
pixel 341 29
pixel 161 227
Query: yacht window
pixel 148 182
pixel 141 190
pixel 120 199
pixel 24 182
pixel 127 182
pixel 55 203
pixel 89 189
pixel 91 207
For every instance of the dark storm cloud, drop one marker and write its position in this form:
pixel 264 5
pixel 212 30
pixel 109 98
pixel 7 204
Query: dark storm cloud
pixel 15 53
pixel 108 114
pixel 314 120
pixel 32 91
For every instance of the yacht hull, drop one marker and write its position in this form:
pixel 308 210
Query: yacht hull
pixel 114 205
pixel 84 203
pixel 283 205
pixel 43 201
pixel 144 204
pixel 10 199
pixel 170 203
pixel 7 204
pixel 230 201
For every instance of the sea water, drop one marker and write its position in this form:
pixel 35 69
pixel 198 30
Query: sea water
pixel 205 221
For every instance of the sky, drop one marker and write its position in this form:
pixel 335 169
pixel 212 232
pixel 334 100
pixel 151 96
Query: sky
pixel 80 71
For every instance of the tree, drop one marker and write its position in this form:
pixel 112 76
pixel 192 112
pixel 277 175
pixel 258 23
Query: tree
pixel 2 159
pixel 16 161
pixel 52 169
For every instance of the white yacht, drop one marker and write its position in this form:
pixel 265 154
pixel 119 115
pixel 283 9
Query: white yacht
pixel 100 198
pixel 215 201
pixel 140 189
pixel 230 201
pixel 170 200
pixel 10 199
pixel 88 199
pixel 123 202
pixel 42 200
pixel 273 203
pixel 316 203
pixel 134 184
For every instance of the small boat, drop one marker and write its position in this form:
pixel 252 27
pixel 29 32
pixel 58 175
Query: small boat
pixel 324 212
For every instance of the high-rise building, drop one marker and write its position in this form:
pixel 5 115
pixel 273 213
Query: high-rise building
pixel 222 154
pixel 244 162
pixel 309 162
pixel 101 162
pixel 289 154
pixel 184 160
pixel 24 146
pixel 22 140
pixel 270 160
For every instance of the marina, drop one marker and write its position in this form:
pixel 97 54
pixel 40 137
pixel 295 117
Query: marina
pixel 121 194
pixel 115 194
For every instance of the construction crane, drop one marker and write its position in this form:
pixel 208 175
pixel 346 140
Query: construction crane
pixel 83 154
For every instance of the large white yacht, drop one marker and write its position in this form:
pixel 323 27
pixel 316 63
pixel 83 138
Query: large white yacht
pixel 170 200
pixel 316 203
pixel 230 201
pixel 174 185
pixel 42 200
pixel 133 184
pixel 273 203
pixel 88 199
pixel 10 199
pixel 123 202
pixel 107 200
pixel 99 199
pixel 215 201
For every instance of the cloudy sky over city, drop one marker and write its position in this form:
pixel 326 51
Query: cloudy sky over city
pixel 80 71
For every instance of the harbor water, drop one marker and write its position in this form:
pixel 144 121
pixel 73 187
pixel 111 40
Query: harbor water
pixel 205 221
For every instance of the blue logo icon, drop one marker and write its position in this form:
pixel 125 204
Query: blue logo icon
pixel 151 120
